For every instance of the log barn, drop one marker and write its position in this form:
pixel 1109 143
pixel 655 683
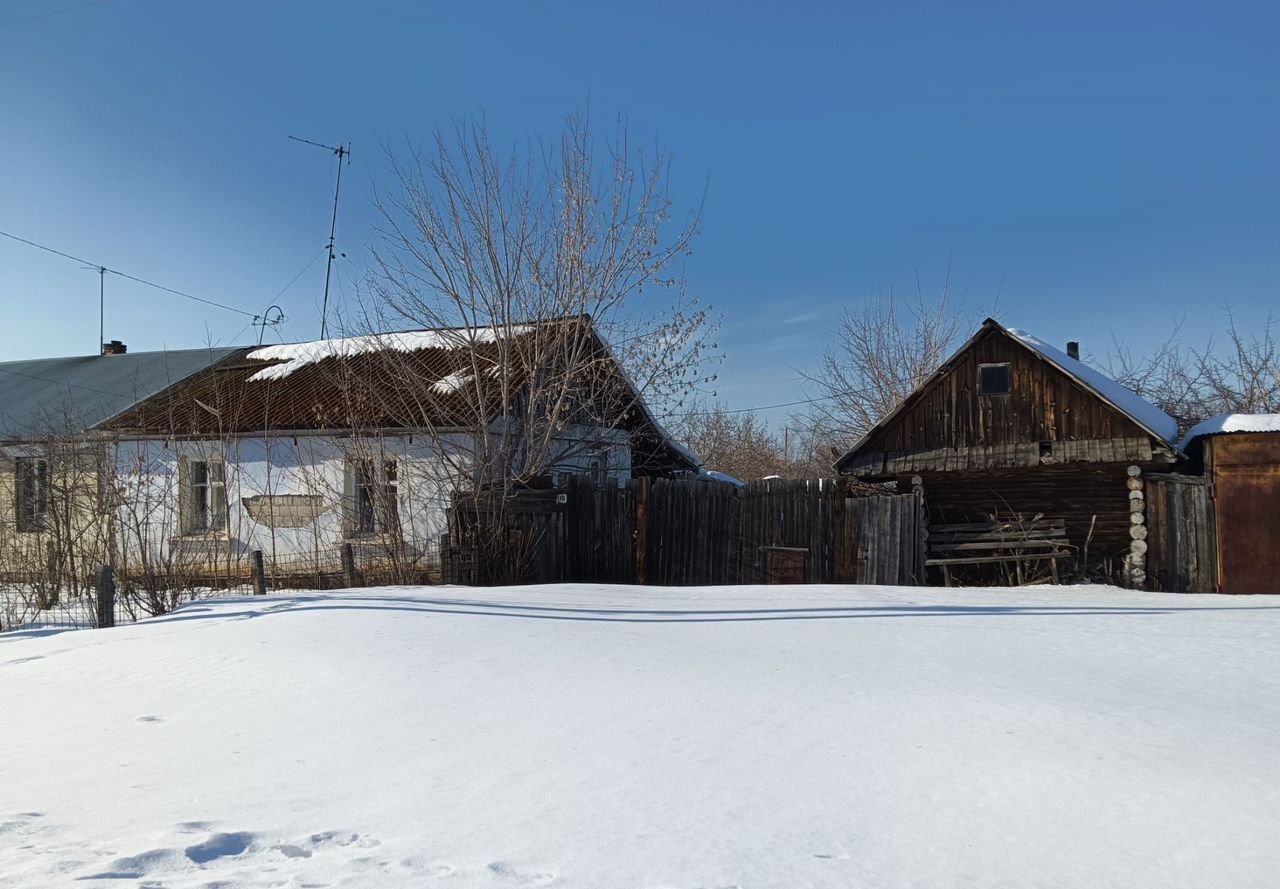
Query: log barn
pixel 1023 452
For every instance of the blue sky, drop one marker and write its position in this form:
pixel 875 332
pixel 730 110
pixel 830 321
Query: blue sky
pixel 1103 168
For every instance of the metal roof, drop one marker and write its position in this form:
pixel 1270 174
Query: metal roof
pixel 48 396
pixel 340 385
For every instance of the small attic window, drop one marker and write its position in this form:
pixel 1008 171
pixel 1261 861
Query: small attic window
pixel 993 379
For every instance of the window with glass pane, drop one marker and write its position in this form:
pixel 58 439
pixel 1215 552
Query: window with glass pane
pixel 375 497
pixel 994 379
pixel 204 496
pixel 31 493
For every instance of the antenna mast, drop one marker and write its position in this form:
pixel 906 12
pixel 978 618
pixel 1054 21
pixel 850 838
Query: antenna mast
pixel 341 152
pixel 102 307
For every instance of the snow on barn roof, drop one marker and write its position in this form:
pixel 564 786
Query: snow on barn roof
pixel 1155 421
pixel 295 356
pixel 1142 411
pixel 1232 423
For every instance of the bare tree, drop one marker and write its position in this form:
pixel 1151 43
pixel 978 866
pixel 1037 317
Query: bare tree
pixel 524 258
pixel 883 350
pixel 1240 376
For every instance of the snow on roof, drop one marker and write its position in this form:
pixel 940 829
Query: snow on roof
pixel 454 382
pixel 1126 400
pixel 714 475
pixel 295 356
pixel 1233 423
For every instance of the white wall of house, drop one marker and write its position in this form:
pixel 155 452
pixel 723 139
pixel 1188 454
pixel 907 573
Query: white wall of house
pixel 293 497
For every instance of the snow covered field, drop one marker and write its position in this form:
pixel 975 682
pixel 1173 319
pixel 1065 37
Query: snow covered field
pixel 599 737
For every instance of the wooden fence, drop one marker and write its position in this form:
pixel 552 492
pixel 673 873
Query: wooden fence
pixel 687 532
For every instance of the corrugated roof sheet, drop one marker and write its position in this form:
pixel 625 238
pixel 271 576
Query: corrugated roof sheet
pixel 55 395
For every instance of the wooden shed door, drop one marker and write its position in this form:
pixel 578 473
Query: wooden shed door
pixel 1248 513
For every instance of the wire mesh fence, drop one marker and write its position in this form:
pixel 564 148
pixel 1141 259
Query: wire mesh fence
pixel 130 591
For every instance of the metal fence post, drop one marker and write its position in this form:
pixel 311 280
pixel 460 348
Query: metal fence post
pixel 259 574
pixel 106 598
pixel 349 566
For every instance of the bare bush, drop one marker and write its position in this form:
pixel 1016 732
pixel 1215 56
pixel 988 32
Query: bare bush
pixel 883 350
pixel 739 443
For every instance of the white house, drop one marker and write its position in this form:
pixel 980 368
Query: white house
pixel 297 449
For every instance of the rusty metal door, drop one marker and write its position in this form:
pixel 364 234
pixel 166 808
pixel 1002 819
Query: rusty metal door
pixel 1246 479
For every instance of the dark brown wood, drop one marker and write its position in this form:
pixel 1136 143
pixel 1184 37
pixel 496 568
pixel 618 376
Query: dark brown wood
pixel 641 492
pixel 786 564
pixel 1244 478
pixel 949 426
pixel 680 532
pixel 972 543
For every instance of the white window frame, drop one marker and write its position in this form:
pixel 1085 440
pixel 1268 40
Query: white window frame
pixel 202 495
pixel 373 496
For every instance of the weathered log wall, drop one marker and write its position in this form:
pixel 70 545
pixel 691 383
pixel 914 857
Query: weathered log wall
pixel 1093 501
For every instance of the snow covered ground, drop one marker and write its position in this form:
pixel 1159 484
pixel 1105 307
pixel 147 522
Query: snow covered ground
pixel 599 737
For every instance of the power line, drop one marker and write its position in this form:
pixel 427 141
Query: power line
pixel 134 278
pixel 45 15
pixel 762 407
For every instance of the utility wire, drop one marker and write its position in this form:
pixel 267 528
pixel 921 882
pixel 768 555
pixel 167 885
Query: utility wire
pixel 45 15
pixel 766 407
pixel 199 299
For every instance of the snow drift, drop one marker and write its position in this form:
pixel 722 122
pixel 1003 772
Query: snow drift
pixel 601 737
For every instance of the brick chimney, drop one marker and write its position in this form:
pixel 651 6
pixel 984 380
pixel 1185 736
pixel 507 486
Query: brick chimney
pixel 115 347
pixel 1073 350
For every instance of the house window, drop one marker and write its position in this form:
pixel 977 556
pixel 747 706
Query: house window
pixel 31 492
pixel 375 503
pixel 203 502
pixel 994 379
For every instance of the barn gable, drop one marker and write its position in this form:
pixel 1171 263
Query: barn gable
pixel 1006 400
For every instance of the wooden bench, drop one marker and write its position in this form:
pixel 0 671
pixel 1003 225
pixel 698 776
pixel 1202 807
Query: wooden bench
pixel 979 543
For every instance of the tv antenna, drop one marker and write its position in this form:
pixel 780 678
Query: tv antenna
pixel 341 152
pixel 266 319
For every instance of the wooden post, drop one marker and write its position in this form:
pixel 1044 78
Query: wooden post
pixel 642 527
pixel 106 598
pixel 259 574
pixel 839 545
pixel 349 576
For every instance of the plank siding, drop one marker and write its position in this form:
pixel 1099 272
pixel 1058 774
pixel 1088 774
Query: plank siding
pixel 1044 404
pixel 682 533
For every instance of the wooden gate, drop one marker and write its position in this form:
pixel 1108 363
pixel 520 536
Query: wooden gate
pixel 882 540
pixel 1181 554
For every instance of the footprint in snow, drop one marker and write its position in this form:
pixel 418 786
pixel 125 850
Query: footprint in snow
pixel 509 871
pixel 342 838
pixel 291 851
pixel 149 719
pixel 220 845
pixel 426 867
